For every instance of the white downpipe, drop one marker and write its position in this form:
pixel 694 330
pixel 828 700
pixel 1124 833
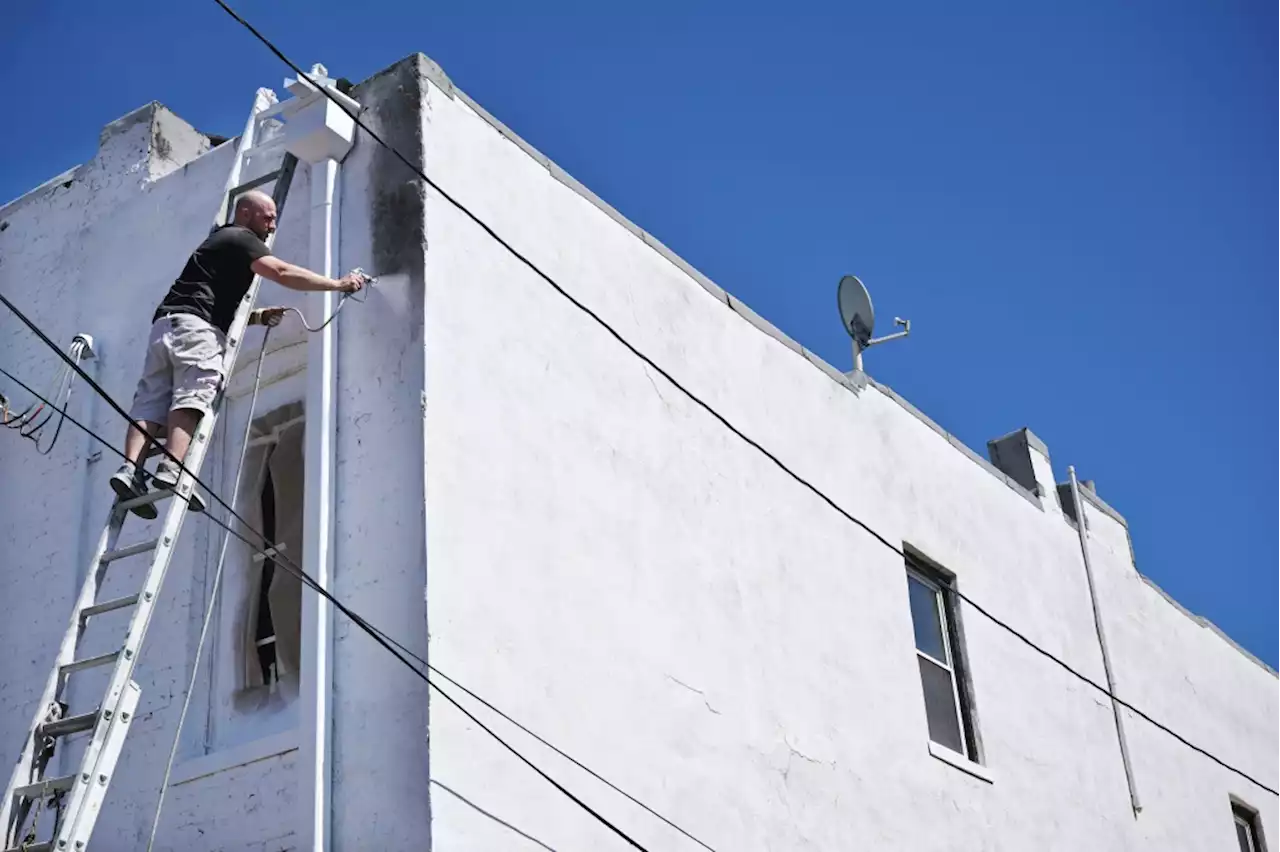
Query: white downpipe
pixel 315 769
pixel 1102 643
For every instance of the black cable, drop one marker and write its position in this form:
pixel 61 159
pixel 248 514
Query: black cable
pixel 34 425
pixel 78 349
pixel 20 417
pixel 375 633
pixel 20 420
pixel 58 429
pixel 28 423
pixel 392 646
pixel 627 344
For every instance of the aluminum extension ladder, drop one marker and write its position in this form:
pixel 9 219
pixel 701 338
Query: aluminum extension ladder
pixel 77 798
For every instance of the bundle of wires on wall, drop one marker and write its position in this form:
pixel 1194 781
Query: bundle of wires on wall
pixel 31 421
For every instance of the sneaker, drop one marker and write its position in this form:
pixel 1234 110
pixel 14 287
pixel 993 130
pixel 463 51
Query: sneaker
pixel 128 484
pixel 166 477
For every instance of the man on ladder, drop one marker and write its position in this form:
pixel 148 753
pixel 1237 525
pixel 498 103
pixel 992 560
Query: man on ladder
pixel 182 369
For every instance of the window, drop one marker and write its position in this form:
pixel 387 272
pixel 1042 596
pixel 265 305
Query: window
pixel 273 596
pixel 939 655
pixel 256 662
pixel 264 634
pixel 1248 829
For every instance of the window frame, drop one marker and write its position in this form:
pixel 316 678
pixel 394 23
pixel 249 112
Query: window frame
pixel 1246 815
pixel 222 730
pixel 268 443
pixel 942 583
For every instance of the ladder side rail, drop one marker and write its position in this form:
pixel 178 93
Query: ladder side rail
pixel 96 786
pixel 262 101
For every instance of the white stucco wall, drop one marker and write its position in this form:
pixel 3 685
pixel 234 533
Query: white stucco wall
pixel 641 587
pixel 599 556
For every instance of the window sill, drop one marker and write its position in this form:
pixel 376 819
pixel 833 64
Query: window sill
pixel 241 755
pixel 959 761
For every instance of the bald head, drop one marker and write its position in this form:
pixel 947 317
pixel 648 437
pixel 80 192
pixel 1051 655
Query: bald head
pixel 256 211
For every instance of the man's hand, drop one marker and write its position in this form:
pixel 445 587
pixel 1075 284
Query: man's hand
pixel 352 282
pixel 269 317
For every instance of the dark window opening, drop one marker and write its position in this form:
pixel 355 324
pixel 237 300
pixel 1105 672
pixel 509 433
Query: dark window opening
pixel 265 633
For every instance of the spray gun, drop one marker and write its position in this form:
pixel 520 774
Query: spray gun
pixel 369 280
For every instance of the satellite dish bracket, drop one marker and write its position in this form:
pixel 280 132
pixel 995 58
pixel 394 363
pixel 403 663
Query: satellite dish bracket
pixel 859 318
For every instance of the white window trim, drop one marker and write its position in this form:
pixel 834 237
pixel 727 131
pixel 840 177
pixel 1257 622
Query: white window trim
pixel 230 758
pixel 959 761
pixel 273 437
pixel 944 621
pixel 277 390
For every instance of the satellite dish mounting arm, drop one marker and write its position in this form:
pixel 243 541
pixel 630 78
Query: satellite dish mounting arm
pixel 906 329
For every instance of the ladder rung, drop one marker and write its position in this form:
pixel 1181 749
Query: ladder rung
pixel 253 184
pixel 266 147
pixel 155 495
pixel 69 725
pixel 45 787
pixel 107 606
pixel 276 109
pixel 131 550
pixel 89 663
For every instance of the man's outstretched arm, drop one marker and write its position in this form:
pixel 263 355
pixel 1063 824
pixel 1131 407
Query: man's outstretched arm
pixel 297 278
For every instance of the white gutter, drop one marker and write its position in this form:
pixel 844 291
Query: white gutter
pixel 321 135
pixel 1102 642
pixel 316 681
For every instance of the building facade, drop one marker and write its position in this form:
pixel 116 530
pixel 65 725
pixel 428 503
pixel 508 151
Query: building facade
pixel 737 598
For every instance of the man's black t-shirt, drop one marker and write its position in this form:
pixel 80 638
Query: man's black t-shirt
pixel 216 277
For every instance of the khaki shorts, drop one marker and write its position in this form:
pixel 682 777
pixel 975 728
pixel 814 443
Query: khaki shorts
pixel 182 368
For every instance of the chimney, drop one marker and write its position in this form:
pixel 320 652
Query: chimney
pixel 1024 458
pixel 1068 504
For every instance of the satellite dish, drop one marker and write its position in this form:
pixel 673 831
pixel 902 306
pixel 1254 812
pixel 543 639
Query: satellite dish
pixel 855 309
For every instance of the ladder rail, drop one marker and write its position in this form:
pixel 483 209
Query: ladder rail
pixel 97 765
pixel 263 100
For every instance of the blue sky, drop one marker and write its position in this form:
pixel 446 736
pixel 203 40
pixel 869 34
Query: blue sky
pixel 1075 203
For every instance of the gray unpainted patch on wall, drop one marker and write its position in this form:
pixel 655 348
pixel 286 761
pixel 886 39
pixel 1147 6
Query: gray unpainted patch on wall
pixel 160 144
pixel 398 197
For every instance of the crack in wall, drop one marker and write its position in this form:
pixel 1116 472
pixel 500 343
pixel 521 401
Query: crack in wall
pixel 694 689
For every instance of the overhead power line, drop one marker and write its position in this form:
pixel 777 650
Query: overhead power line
pixel 293 568
pixel 706 406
